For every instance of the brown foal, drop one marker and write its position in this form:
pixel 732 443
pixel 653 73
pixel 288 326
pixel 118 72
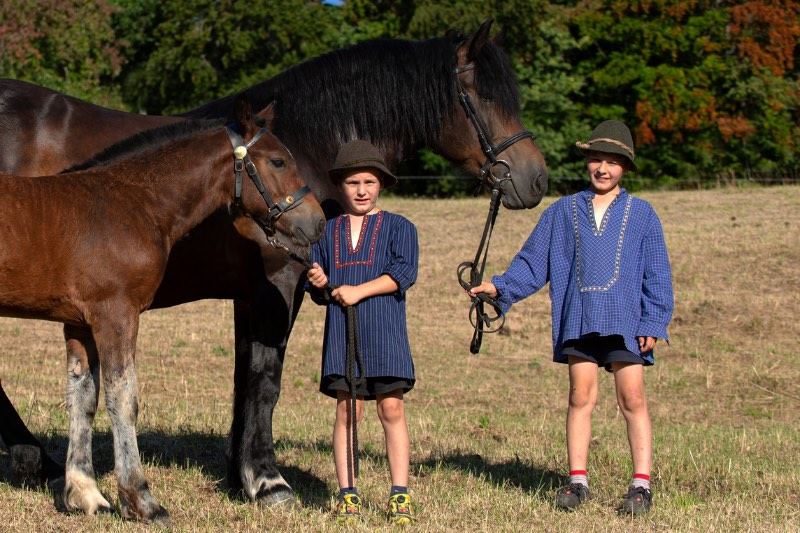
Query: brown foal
pixel 90 248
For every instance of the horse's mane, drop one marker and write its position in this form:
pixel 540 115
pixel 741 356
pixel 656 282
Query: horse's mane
pixel 146 141
pixel 392 92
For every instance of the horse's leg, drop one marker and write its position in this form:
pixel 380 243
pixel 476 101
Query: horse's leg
pixel 116 344
pixel 83 376
pixel 14 432
pixel 262 329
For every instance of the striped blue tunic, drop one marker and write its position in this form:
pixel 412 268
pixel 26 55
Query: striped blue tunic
pixel 387 244
pixel 611 280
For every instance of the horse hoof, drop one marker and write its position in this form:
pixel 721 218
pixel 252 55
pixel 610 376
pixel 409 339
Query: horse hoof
pixel 161 518
pixel 156 515
pixel 81 494
pixel 277 496
pixel 26 465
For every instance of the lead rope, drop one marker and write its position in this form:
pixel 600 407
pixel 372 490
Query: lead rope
pixel 480 320
pixel 354 365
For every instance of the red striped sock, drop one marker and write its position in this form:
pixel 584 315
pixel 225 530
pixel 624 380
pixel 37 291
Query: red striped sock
pixel 579 476
pixel 641 480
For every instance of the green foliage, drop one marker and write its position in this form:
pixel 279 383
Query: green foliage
pixel 679 75
pixel 67 45
pixel 710 89
pixel 185 53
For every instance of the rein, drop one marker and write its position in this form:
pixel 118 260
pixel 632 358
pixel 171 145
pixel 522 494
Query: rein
pixel 470 273
pixel 242 161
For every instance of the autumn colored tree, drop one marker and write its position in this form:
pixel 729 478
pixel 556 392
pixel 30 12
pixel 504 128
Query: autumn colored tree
pixel 708 87
pixel 711 88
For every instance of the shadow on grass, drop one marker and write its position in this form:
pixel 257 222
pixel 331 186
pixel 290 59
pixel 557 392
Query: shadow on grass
pixel 537 481
pixel 203 451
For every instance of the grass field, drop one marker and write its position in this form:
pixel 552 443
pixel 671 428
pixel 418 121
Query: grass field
pixel 487 432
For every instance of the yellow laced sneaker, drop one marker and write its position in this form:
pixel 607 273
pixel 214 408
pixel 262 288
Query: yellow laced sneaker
pixel 399 509
pixel 348 509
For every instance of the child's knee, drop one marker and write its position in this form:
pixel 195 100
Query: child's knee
pixel 582 397
pixel 632 400
pixel 391 410
pixel 343 411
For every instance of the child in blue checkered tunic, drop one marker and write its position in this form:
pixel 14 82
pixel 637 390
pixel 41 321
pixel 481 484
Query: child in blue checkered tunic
pixel 603 252
pixel 370 256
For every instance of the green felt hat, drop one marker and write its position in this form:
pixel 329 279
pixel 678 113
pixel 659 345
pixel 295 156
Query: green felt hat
pixel 361 155
pixel 610 137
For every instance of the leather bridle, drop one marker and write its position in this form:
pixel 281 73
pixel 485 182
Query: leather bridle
pixel 242 161
pixel 470 273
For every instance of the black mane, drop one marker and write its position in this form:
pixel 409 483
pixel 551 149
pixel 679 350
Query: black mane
pixel 366 92
pixel 147 140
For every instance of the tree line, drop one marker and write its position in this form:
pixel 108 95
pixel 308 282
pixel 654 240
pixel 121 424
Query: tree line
pixel 710 88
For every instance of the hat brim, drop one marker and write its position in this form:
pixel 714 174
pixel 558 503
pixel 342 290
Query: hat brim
pixel 387 178
pixel 601 147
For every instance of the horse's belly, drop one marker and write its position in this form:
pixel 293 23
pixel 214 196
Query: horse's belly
pixel 34 284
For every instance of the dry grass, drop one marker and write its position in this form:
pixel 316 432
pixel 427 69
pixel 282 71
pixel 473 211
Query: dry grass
pixel 487 432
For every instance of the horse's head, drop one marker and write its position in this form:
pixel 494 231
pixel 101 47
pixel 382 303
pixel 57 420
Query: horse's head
pixel 485 135
pixel 268 186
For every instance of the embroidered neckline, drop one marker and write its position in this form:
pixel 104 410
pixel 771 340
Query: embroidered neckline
pixel 598 232
pixel 618 255
pixel 349 235
pixel 348 259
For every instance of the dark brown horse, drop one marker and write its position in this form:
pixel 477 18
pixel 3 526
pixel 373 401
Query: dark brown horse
pixel 89 249
pixel 401 95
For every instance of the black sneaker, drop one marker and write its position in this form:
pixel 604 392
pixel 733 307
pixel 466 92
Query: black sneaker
pixel 570 497
pixel 637 501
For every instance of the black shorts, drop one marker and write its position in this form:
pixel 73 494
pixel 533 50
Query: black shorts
pixel 331 385
pixel 601 350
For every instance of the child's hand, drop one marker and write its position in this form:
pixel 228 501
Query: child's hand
pixel 346 295
pixel 316 276
pixel 646 343
pixel 485 287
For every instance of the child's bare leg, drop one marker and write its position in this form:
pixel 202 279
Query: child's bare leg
pixel 341 430
pixel 391 412
pixel 582 399
pixel 629 380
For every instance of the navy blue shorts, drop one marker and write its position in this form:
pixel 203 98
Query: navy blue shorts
pixel 601 350
pixel 331 385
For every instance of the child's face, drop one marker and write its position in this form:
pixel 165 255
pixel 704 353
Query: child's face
pixel 605 171
pixel 361 192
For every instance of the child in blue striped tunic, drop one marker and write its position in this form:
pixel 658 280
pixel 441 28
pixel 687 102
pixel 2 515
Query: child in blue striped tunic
pixel 604 254
pixel 370 256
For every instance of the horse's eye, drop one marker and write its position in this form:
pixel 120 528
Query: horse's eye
pixel 277 163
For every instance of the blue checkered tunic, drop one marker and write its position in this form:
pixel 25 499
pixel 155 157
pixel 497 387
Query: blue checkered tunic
pixel 612 280
pixel 387 244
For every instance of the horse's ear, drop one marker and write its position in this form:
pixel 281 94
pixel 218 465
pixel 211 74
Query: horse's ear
pixel 268 113
pixel 478 39
pixel 243 113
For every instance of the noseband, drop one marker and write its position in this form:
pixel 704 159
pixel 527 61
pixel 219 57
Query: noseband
pixel 470 273
pixel 242 161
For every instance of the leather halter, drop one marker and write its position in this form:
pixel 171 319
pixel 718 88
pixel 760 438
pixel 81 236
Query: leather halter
pixel 490 149
pixel 470 273
pixel 242 161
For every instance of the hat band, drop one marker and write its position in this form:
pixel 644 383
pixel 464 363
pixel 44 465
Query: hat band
pixel 588 146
